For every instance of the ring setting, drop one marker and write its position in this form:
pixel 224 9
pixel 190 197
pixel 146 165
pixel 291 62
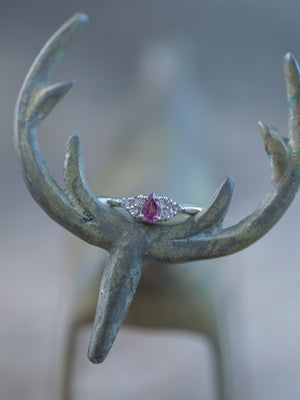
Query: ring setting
pixel 150 209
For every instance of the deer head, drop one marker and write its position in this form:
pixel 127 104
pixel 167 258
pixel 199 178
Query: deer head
pixel 133 245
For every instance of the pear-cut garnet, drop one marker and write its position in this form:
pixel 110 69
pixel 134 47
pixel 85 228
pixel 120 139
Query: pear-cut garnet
pixel 151 209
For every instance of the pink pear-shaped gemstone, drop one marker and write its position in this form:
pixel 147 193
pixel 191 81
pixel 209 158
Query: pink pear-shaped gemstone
pixel 151 209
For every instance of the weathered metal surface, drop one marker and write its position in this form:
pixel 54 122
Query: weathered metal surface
pixel 134 245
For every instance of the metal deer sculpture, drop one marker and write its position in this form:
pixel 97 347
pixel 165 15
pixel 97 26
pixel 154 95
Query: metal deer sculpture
pixel 134 244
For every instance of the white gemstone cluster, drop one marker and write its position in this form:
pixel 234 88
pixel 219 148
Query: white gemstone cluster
pixel 169 208
pixel 133 204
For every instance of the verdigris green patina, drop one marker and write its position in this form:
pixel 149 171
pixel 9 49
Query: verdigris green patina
pixel 134 245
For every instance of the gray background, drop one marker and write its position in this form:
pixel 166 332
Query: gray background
pixel 204 72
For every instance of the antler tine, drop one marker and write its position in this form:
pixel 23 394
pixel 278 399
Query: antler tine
pixel 292 82
pixel 75 178
pixel 36 99
pixel 284 154
pixel 278 151
pixel 54 49
pixel 212 215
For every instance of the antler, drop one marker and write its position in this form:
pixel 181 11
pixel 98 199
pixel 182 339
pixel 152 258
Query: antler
pixel 134 245
pixel 75 207
pixel 201 241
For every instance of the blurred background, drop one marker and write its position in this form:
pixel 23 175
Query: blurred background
pixel 167 98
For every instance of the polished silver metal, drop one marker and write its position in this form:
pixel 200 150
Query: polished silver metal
pixel 134 246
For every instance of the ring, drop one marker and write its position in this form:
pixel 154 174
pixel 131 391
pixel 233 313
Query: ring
pixel 150 209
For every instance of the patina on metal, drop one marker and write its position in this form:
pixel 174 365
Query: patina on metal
pixel 133 245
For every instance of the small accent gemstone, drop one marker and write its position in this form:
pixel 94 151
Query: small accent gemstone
pixel 151 209
pixel 126 203
pixel 177 208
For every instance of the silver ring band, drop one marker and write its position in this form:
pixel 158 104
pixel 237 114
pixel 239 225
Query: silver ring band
pixel 150 209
